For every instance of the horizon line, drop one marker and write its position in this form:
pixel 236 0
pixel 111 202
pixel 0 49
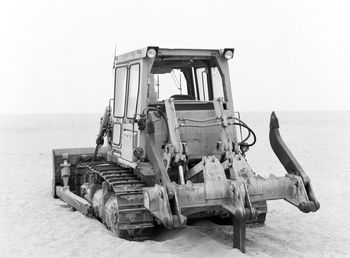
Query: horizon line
pixel 90 113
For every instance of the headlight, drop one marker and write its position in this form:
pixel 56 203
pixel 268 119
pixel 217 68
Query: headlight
pixel 228 54
pixel 151 53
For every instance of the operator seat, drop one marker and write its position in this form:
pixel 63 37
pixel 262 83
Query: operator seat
pixel 182 97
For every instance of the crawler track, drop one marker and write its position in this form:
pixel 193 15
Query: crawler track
pixel 133 221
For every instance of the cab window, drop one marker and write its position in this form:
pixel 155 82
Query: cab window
pixel 202 84
pixel 119 92
pixel 218 89
pixel 134 79
pixel 116 134
pixel 186 80
pixel 170 84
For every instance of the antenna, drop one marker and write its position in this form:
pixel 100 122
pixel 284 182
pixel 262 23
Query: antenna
pixel 115 53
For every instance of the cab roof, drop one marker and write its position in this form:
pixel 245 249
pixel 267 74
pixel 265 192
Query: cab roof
pixel 167 52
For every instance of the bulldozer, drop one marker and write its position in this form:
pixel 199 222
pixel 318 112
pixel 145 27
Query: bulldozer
pixel 171 149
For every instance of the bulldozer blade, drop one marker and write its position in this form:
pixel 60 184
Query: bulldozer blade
pixel 291 164
pixel 75 155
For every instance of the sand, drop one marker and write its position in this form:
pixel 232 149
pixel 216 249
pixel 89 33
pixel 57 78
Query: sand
pixel 33 224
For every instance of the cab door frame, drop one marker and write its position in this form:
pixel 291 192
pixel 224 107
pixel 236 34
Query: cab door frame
pixel 124 127
pixel 130 130
pixel 118 117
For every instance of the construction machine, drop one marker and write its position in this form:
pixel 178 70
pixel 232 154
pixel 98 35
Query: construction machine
pixel 171 149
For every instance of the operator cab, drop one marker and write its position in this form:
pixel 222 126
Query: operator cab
pixel 145 78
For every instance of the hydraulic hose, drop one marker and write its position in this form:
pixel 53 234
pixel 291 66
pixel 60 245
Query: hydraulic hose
pixel 250 132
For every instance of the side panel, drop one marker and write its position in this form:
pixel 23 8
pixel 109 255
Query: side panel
pixel 128 138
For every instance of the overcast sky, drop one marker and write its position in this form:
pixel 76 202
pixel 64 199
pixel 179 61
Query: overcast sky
pixel 57 56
